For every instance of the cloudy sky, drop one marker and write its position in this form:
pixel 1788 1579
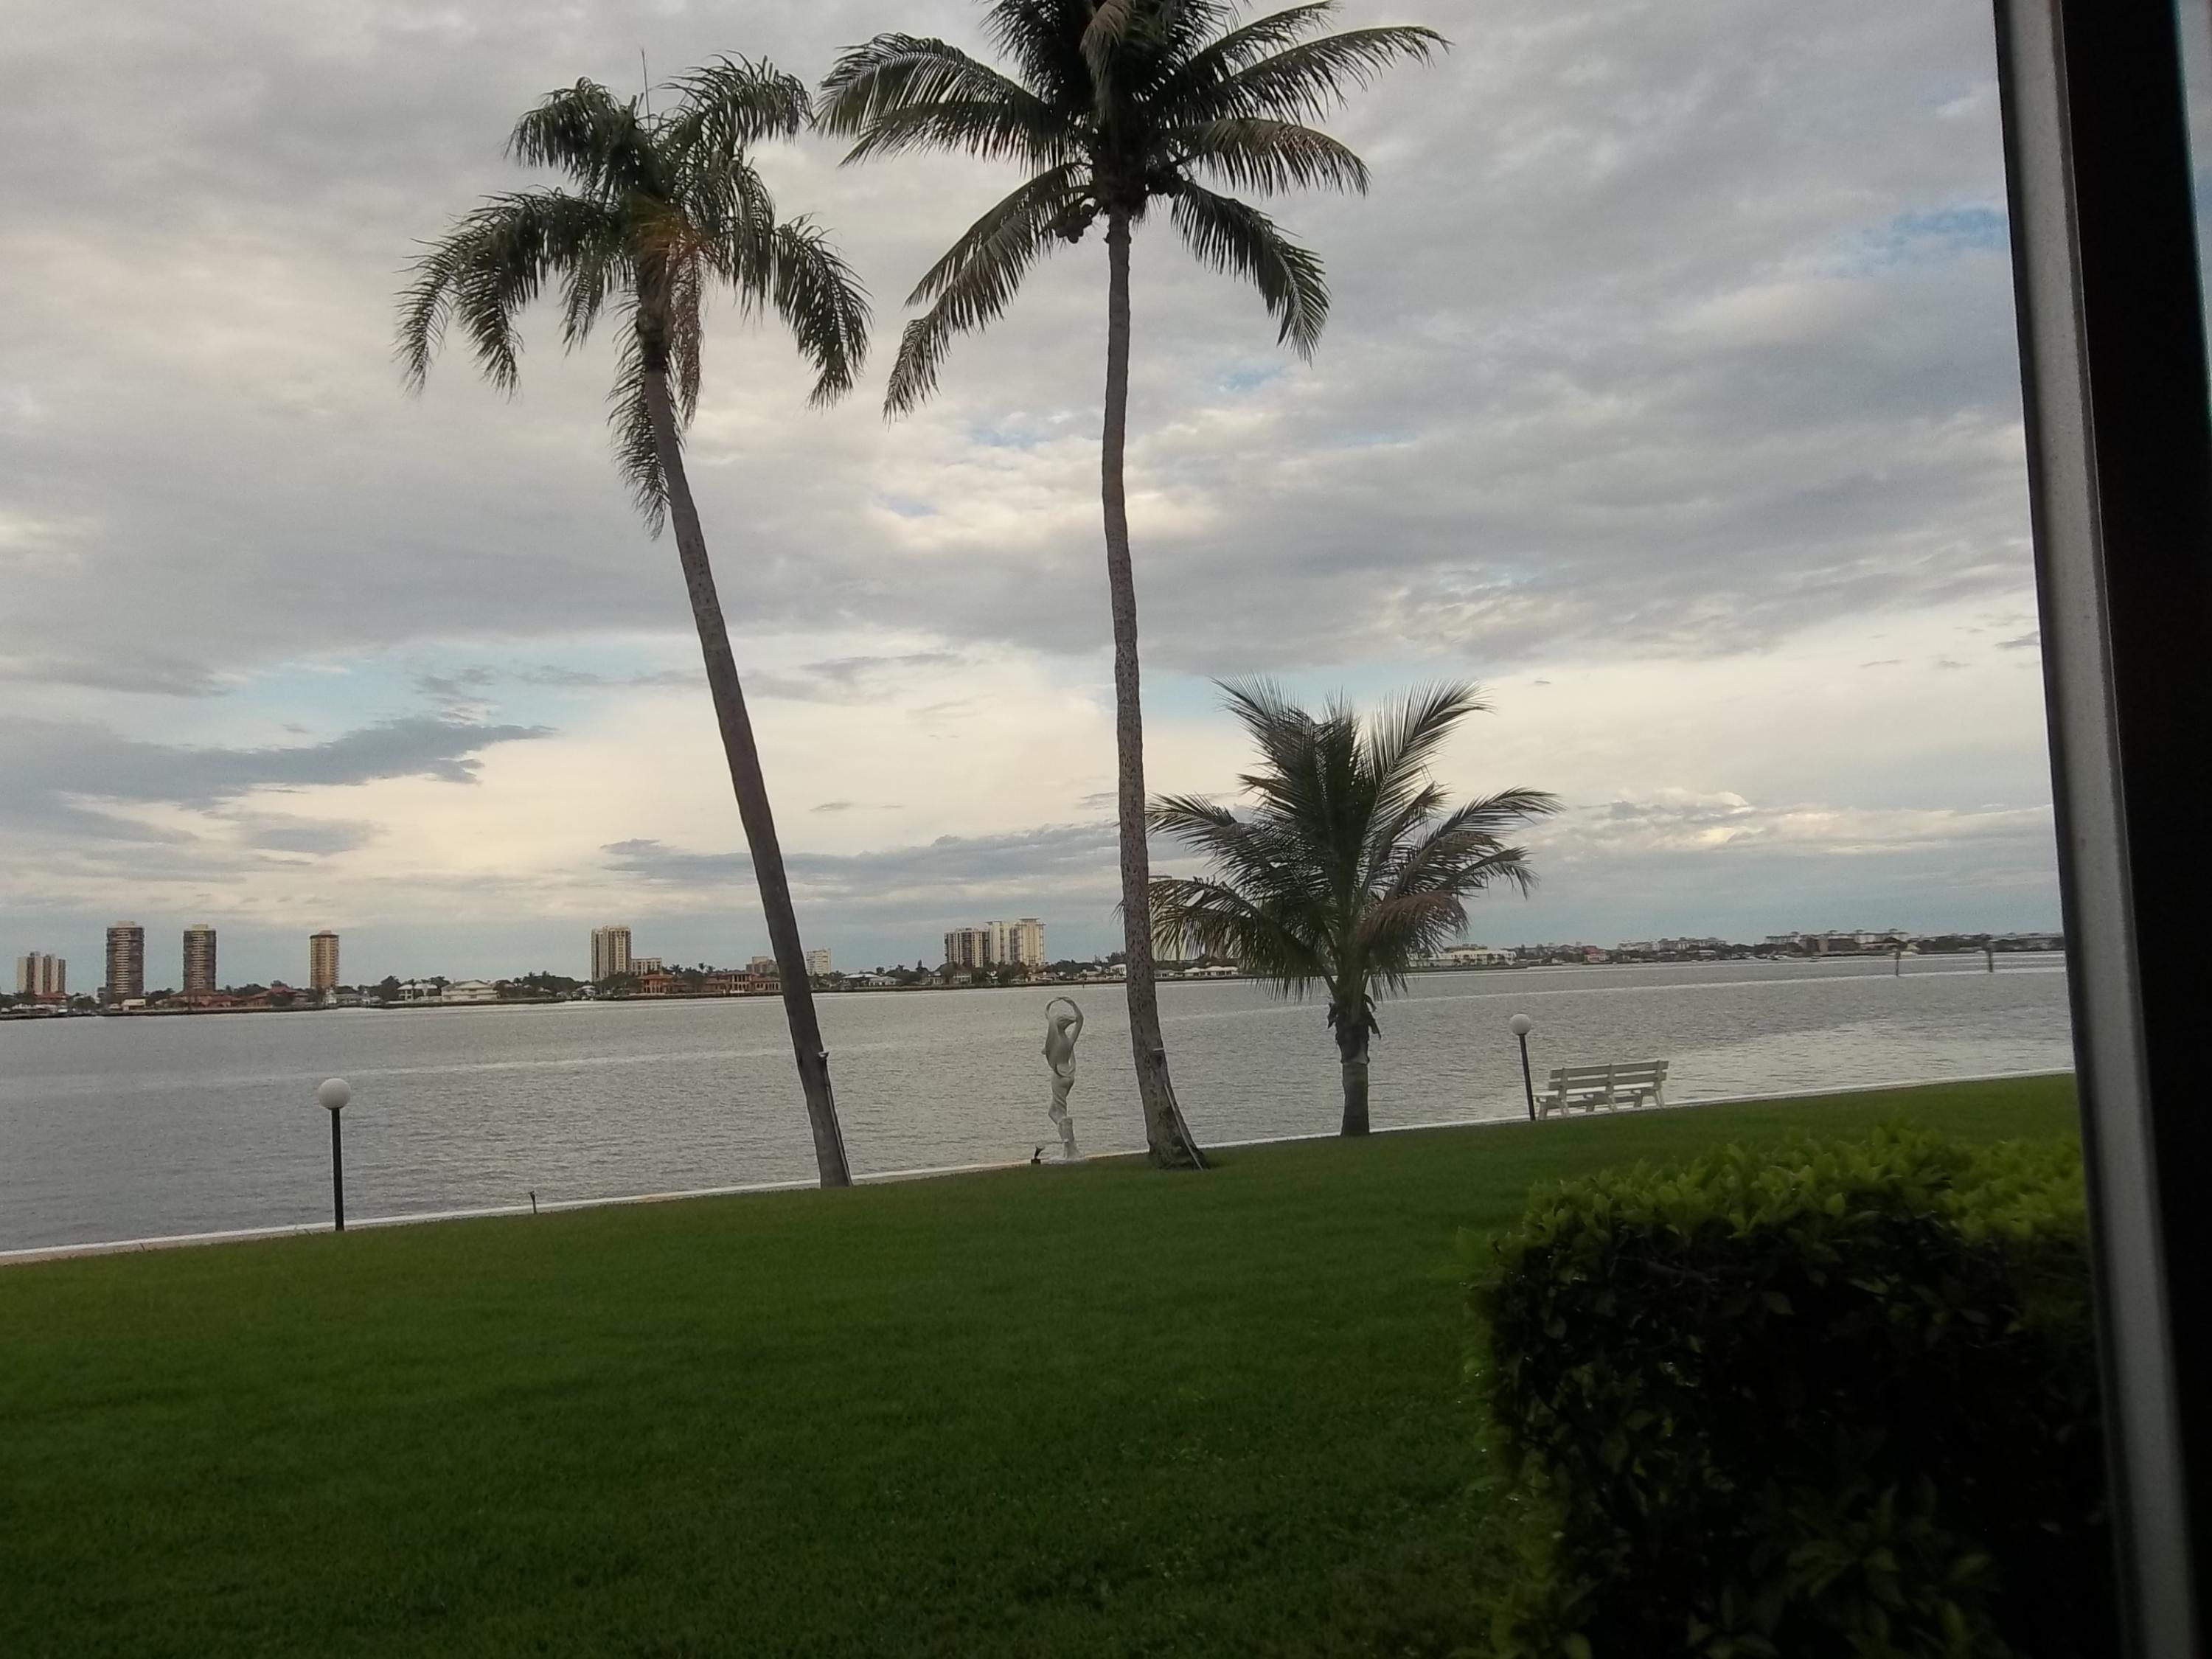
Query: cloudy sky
pixel 1670 394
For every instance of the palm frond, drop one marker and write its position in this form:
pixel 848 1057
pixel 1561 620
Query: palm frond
pixel 1222 921
pixel 904 91
pixel 1253 153
pixel 727 214
pixel 1396 932
pixel 491 264
pixel 823 302
pixel 1045 38
pixel 983 128
pixel 1402 739
pixel 667 207
pixel 727 107
pixel 1310 79
pixel 1103 37
pixel 972 285
pixel 1256 856
pixel 1462 852
pixel 1238 239
pixel 597 270
pixel 1286 736
pixel 686 336
pixel 584 130
pixel 1193 817
pixel 1349 866
pixel 1232 50
pixel 1490 814
pixel 637 457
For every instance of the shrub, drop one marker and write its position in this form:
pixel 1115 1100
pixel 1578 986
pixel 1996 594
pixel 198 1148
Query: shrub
pixel 1839 1398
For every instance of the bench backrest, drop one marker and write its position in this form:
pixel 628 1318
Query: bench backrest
pixel 1632 1074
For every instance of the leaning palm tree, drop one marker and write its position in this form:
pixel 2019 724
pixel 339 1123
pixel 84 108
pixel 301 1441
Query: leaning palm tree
pixel 663 206
pixel 1115 105
pixel 1351 866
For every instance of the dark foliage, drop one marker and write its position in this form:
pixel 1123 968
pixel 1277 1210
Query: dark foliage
pixel 1836 1401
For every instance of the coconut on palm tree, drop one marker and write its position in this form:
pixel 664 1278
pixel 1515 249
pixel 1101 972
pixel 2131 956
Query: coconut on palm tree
pixel 1351 866
pixel 662 207
pixel 1113 106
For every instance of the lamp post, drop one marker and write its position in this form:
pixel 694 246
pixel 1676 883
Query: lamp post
pixel 332 1097
pixel 1520 1025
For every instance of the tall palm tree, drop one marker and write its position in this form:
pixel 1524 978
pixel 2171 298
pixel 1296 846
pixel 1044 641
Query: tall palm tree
pixel 663 206
pixel 1115 105
pixel 1352 865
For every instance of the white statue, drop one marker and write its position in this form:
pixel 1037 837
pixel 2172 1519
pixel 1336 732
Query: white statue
pixel 1063 1023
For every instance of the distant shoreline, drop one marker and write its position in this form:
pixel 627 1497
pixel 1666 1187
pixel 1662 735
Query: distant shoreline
pixel 427 1006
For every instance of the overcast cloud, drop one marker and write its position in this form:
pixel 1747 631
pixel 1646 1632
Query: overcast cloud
pixel 1669 391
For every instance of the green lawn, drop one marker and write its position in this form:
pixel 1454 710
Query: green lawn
pixel 1040 1411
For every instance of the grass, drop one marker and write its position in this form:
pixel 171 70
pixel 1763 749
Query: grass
pixel 1097 1411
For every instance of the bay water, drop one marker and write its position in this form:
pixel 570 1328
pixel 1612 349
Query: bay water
pixel 148 1127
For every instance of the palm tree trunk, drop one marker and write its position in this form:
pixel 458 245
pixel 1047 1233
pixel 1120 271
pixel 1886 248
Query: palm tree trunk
pixel 751 788
pixel 1166 1136
pixel 1355 1084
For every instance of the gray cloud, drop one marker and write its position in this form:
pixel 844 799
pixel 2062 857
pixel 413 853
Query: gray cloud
pixel 850 679
pixel 279 832
pixel 1686 862
pixel 1714 823
pixel 1666 331
pixel 1726 865
pixel 1679 372
pixel 1052 856
pixel 462 688
pixel 552 674
pixel 51 765
pixel 160 676
pixel 467 688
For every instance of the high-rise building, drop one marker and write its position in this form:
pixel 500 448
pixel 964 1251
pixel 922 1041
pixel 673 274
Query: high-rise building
pixel 1020 944
pixel 199 960
pixel 818 963
pixel 323 961
pixel 997 945
pixel 967 947
pixel 763 968
pixel 609 952
pixel 42 975
pixel 126 960
pixel 644 965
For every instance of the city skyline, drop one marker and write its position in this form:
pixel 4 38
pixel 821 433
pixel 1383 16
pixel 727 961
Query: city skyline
pixel 727 957
pixel 1689 428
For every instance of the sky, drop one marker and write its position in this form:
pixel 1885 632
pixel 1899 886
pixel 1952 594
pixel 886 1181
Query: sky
pixel 1670 394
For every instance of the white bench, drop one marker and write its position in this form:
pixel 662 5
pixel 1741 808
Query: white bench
pixel 1641 1083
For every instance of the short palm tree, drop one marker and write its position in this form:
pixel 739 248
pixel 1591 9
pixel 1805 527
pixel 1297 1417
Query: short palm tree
pixel 663 206
pixel 1115 105
pixel 1351 866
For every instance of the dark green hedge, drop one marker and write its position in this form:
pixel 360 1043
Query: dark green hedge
pixel 1836 1399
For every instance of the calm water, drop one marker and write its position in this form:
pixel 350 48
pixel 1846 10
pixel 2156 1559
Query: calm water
pixel 132 1129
